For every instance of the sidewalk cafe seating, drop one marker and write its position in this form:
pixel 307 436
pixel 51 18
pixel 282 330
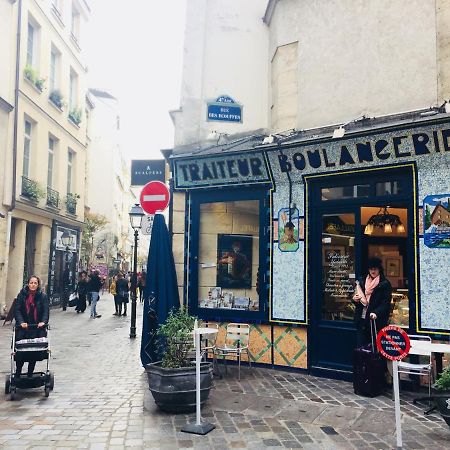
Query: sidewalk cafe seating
pixel 236 343
pixel 424 368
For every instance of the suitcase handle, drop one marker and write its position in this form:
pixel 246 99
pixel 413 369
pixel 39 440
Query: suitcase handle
pixel 373 328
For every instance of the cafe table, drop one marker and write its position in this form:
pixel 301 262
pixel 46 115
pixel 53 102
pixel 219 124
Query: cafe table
pixel 419 347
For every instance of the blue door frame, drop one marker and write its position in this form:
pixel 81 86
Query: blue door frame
pixel 331 343
pixel 228 195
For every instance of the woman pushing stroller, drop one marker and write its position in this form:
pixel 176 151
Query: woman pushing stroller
pixel 31 308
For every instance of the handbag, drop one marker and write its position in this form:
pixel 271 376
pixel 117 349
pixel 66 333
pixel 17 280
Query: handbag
pixel 73 299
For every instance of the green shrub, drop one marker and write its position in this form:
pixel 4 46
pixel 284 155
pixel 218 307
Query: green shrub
pixel 443 382
pixel 176 334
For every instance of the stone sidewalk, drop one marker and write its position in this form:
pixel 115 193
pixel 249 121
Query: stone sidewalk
pixel 101 401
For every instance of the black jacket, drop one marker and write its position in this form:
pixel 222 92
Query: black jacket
pixel 82 287
pixel 380 303
pixel 95 283
pixel 122 287
pixel 20 311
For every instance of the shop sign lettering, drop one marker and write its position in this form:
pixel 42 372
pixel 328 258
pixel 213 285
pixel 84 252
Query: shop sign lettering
pixel 245 168
pixel 345 153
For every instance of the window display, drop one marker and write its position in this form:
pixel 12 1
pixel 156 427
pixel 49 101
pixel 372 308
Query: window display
pixel 229 255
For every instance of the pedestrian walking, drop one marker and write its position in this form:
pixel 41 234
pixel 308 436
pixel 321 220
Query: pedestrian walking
pixel 82 290
pixel 373 297
pixel 31 308
pixel 122 288
pixel 113 291
pixel 95 284
pixel 141 285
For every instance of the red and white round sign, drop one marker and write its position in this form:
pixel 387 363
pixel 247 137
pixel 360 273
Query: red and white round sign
pixel 154 197
pixel 393 343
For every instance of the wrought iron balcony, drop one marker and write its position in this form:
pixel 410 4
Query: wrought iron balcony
pixel 71 203
pixel 31 189
pixel 52 198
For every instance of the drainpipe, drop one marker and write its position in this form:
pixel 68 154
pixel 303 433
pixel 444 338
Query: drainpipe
pixel 16 118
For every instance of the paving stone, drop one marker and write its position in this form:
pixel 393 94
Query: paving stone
pixel 266 409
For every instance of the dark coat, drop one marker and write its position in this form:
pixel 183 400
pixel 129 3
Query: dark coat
pixel 380 303
pixel 95 283
pixel 20 311
pixel 122 288
pixel 82 287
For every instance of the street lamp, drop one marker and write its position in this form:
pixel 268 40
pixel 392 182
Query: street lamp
pixel 67 241
pixel 136 215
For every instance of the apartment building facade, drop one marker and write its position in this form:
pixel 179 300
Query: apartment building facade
pixel 47 145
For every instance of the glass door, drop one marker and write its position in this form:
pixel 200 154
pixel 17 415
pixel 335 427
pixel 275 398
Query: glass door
pixel 334 338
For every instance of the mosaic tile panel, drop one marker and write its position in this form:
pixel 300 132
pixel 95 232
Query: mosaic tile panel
pixel 288 298
pixel 289 347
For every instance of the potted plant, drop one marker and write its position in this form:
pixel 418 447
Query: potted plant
pixel 32 76
pixel 57 99
pixel 32 189
pixel 442 395
pixel 75 115
pixel 172 380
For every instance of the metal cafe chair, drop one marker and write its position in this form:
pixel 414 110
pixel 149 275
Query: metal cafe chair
pixel 237 340
pixel 425 368
pixel 208 341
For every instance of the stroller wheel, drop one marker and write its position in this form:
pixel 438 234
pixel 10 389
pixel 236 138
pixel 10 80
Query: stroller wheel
pixel 7 384
pixel 51 380
pixel 47 390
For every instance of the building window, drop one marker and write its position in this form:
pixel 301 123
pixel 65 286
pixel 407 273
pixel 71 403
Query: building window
pixel 27 149
pixel 51 149
pixel 229 260
pixel 73 99
pixel 75 23
pixel 70 163
pixel 30 44
pixel 53 69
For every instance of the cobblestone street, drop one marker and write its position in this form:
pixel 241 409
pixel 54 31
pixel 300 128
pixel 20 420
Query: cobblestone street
pixel 101 401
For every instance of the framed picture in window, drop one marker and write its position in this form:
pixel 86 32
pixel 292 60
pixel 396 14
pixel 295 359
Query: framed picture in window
pixel 234 261
pixel 393 267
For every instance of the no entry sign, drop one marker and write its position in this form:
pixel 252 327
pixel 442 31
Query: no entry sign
pixel 154 197
pixel 393 343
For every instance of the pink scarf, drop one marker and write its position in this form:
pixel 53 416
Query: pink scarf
pixel 371 284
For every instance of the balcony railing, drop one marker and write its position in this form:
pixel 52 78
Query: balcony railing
pixel 52 198
pixel 71 203
pixel 31 189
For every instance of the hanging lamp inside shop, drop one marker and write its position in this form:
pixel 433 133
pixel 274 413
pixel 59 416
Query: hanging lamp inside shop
pixel 385 221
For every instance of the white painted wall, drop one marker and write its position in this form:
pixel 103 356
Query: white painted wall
pixel 107 182
pixel 225 53
pixel 372 57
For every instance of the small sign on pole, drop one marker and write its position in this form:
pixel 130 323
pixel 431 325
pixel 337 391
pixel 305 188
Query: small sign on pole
pixel 198 427
pixel 146 225
pixel 394 344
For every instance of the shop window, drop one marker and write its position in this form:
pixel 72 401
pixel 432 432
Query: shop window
pixel 228 259
pixel 388 188
pixel 346 192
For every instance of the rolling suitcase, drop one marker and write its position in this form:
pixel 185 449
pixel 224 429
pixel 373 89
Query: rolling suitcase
pixel 368 368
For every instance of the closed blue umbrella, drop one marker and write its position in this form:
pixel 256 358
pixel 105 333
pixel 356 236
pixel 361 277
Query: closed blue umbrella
pixel 161 290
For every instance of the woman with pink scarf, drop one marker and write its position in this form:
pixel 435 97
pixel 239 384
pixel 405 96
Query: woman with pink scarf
pixel 31 308
pixel 373 301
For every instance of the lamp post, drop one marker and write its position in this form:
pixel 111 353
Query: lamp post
pixel 136 215
pixel 67 241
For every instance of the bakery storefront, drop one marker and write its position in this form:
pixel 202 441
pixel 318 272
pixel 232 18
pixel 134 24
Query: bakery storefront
pixel 276 236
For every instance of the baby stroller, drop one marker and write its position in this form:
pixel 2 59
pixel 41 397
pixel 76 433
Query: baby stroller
pixel 25 350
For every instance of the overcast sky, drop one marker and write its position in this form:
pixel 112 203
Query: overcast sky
pixel 134 50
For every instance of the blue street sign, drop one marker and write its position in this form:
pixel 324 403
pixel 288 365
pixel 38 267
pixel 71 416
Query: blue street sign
pixel 224 109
